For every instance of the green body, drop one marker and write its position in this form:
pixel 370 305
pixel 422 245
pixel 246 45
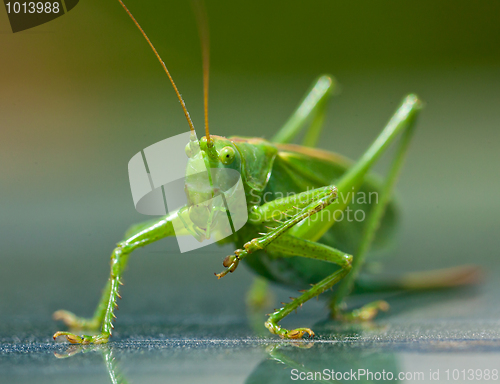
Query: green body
pixel 299 232
pixel 288 171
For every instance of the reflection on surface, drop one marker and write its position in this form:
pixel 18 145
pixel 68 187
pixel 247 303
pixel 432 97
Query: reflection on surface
pixel 112 367
pixel 284 361
pixel 264 361
pixel 424 333
pixel 326 363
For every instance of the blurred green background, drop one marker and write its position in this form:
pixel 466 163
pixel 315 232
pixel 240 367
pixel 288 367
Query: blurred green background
pixel 84 93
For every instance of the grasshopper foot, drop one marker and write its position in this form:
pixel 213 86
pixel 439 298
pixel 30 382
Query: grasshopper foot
pixel 365 313
pixel 84 339
pixel 285 333
pixel 231 263
pixel 298 333
pixel 75 322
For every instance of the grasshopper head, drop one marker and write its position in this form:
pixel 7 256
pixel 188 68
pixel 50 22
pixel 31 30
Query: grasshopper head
pixel 213 167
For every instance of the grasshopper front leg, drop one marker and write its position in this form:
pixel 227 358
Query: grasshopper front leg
pixel 292 246
pixel 307 203
pixel 139 236
pixel 93 323
pixel 277 240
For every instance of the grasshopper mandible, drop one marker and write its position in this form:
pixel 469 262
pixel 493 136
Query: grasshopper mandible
pixel 296 200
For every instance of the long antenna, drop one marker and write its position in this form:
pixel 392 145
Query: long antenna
pixel 201 19
pixel 186 113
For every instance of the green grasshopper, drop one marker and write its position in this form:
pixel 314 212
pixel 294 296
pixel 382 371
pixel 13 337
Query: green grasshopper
pixel 297 200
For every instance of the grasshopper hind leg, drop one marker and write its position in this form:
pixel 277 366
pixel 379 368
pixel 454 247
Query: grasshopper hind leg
pixel 365 313
pixel 410 282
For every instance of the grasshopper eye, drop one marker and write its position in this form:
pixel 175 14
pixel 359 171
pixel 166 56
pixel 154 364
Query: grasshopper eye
pixel 226 155
pixel 189 151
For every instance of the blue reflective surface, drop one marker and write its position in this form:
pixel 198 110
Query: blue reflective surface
pixel 423 334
